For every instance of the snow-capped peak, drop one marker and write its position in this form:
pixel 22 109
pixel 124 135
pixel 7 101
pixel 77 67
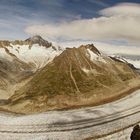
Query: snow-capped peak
pixel 38 40
pixel 34 50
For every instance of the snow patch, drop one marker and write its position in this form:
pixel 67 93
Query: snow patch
pixel 86 70
pixel 4 55
pixel 119 58
pixel 95 57
pixel 136 63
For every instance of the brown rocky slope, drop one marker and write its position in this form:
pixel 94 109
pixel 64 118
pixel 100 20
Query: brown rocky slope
pixel 77 77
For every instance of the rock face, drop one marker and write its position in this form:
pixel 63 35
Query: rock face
pixel 77 77
pixel 38 40
pixel 135 135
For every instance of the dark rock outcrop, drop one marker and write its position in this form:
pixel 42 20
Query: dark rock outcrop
pixel 135 135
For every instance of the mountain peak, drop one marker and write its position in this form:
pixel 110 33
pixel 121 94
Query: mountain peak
pixel 92 48
pixel 36 37
pixel 38 40
pixel 76 75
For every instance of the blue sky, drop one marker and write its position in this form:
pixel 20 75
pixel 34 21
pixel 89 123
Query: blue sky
pixel 17 15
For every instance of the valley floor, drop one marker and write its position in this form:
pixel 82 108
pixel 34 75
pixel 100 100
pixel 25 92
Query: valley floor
pixel 77 124
pixel 122 135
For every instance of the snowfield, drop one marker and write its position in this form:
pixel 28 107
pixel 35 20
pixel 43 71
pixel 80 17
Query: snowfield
pixel 38 55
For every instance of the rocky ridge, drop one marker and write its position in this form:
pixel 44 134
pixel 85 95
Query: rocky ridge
pixel 77 77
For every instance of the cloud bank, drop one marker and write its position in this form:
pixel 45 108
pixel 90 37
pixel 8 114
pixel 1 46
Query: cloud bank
pixel 105 48
pixel 114 23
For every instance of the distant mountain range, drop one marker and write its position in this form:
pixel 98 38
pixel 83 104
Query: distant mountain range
pixel 36 76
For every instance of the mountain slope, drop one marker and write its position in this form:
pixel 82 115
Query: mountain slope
pixel 77 77
pixel 34 50
pixel 19 61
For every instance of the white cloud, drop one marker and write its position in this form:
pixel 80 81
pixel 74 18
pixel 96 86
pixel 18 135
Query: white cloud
pixel 118 22
pixel 104 47
pixel 127 9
